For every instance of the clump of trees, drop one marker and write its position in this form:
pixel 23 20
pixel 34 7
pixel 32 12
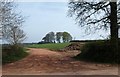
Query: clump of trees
pixel 50 37
pixel 58 37
pixel 66 37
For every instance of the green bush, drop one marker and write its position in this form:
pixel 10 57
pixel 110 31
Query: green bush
pixel 11 53
pixel 98 52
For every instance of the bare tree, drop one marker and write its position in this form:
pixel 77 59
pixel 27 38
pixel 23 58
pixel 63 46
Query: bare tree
pixel 15 36
pixel 10 23
pixel 98 14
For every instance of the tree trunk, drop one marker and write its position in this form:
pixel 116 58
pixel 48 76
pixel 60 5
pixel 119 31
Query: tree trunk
pixel 114 27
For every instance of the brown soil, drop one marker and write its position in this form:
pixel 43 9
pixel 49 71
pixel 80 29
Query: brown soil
pixel 46 62
pixel 73 46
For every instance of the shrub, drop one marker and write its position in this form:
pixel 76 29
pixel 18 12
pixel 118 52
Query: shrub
pixel 11 53
pixel 98 52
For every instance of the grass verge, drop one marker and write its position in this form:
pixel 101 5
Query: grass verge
pixel 12 53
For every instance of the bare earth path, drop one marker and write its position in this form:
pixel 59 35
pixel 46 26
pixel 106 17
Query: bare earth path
pixel 46 62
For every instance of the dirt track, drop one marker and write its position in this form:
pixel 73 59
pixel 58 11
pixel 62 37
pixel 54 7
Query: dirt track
pixel 46 62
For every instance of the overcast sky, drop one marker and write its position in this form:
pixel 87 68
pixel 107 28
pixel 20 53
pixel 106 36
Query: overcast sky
pixel 44 17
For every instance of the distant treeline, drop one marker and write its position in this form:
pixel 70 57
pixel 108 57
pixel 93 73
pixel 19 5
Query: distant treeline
pixel 69 41
pixel 90 40
pixel 86 40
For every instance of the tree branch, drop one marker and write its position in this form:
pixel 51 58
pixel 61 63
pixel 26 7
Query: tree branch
pixel 97 21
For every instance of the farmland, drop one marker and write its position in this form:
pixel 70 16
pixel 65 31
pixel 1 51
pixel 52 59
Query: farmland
pixel 51 46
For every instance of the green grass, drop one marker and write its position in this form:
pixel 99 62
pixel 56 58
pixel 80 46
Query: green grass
pixel 51 46
pixel 12 54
